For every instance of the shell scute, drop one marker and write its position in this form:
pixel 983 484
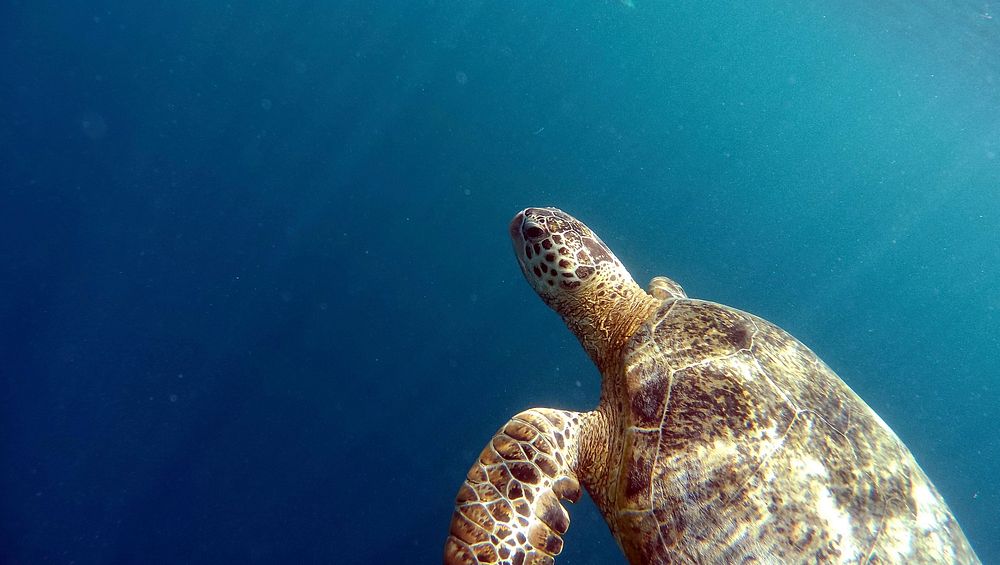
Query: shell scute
pixel 649 399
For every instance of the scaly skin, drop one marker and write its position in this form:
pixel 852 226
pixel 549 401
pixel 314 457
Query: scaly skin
pixel 602 304
pixel 719 438
pixel 508 510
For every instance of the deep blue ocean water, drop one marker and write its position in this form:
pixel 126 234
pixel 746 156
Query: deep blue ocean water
pixel 257 301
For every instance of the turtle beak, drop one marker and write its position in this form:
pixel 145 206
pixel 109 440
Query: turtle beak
pixel 517 239
pixel 515 227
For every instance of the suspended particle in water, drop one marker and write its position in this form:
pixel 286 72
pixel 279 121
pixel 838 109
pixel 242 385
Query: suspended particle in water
pixel 173 398
pixel 265 103
pixel 461 77
pixel 93 125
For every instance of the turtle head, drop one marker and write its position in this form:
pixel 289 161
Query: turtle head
pixel 576 275
pixel 558 254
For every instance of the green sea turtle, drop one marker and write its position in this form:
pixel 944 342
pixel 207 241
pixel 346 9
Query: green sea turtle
pixel 719 438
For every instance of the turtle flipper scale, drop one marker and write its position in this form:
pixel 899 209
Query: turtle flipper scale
pixel 508 510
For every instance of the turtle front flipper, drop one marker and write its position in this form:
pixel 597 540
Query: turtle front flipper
pixel 508 509
pixel 662 288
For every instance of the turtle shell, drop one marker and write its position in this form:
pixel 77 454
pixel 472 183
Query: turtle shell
pixel 739 442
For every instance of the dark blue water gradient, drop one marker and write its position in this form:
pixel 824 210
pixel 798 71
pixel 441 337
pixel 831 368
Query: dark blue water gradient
pixel 257 303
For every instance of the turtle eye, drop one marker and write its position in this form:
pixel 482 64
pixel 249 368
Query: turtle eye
pixel 533 232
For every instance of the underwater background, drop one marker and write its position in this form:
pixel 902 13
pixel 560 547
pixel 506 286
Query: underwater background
pixel 257 299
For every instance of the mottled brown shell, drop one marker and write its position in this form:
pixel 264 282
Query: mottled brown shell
pixel 740 443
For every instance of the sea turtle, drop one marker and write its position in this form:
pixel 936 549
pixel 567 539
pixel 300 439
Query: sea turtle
pixel 719 438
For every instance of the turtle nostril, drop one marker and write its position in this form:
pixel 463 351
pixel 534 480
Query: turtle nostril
pixel 533 232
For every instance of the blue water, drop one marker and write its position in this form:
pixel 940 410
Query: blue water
pixel 257 302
